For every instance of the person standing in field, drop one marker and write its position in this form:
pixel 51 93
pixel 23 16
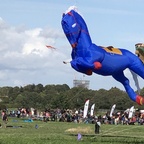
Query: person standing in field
pixel 4 118
pixel 2 114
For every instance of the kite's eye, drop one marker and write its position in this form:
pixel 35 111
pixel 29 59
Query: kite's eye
pixel 74 25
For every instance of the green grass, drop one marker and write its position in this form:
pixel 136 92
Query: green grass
pixel 66 133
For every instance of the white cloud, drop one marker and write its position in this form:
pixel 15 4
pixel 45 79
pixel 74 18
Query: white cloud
pixel 24 56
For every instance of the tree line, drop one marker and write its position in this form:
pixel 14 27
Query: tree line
pixel 63 97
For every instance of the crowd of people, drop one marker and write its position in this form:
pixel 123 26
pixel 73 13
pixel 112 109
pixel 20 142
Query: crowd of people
pixel 76 116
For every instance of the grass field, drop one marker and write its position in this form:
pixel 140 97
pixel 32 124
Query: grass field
pixel 66 133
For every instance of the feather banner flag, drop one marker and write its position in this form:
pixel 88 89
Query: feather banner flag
pixel 112 110
pixel 86 108
pixel 92 109
pixel 131 112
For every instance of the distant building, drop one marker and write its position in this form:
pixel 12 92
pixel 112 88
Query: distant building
pixel 81 83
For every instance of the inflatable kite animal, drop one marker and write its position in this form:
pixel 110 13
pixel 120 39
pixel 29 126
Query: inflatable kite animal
pixel 89 58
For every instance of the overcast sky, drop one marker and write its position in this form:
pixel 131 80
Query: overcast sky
pixel 27 26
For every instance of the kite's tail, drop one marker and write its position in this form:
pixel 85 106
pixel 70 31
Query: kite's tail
pixel 135 80
pixel 139 99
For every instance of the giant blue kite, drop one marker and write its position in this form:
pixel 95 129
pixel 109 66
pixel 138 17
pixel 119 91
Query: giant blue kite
pixel 89 58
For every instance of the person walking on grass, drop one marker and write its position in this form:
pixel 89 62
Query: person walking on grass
pixel 5 119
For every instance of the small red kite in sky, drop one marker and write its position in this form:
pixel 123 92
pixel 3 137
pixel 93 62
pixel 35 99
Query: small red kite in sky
pixel 50 47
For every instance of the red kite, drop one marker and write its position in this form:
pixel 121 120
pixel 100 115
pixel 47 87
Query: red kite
pixel 50 47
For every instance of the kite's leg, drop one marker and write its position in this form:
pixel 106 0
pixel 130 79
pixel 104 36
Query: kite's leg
pixel 75 65
pixel 133 96
pixel 137 67
pixel 81 65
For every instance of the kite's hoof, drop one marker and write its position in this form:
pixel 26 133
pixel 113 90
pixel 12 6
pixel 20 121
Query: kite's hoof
pixel 139 100
pixel 89 72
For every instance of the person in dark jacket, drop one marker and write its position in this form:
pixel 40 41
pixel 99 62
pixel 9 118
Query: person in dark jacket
pixel 5 119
